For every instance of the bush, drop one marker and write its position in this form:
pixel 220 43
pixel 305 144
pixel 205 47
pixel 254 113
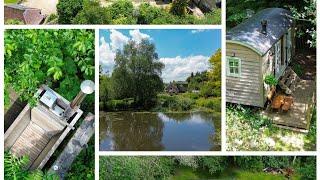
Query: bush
pixel 179 7
pixel 211 103
pixel 68 9
pixel 14 22
pixel 123 104
pixel 175 103
pixel 93 13
pixel 308 169
pixel 121 8
pixel 148 13
pixel 214 164
pixel 120 167
pixel 276 161
pixel 249 163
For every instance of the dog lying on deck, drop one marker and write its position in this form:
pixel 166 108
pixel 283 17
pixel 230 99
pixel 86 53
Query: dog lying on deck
pixel 288 102
pixel 277 102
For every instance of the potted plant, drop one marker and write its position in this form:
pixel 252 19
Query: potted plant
pixel 272 82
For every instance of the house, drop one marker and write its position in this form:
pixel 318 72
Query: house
pixel 24 14
pixel 262 45
pixel 176 87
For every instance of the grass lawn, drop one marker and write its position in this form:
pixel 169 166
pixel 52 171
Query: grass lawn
pixel 11 1
pixel 186 173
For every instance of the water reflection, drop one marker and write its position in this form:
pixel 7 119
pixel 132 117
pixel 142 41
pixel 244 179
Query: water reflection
pixel 136 131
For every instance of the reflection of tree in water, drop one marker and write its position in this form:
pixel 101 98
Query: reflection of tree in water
pixel 132 131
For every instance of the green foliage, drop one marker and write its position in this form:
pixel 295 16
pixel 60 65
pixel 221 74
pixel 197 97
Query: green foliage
pixel 123 12
pixel 58 58
pixel 214 164
pixel 15 169
pixel 122 167
pixel 174 103
pixel 297 69
pixel 248 130
pixel 118 105
pixel 211 103
pixel 250 163
pixel 270 80
pixel 68 9
pixel 14 22
pixel 92 13
pixel 179 7
pixel 137 73
pixel 303 13
pixel 148 13
pixel 276 162
pixel 83 166
pixel 308 168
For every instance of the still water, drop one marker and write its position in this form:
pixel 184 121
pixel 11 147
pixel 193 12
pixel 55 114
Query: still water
pixel 141 131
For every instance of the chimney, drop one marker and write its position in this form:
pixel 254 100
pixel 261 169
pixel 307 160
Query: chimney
pixel 87 87
pixel 264 24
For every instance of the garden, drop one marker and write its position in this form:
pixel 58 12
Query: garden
pixel 126 12
pixel 60 59
pixel 208 167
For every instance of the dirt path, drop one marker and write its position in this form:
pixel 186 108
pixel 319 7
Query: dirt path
pixel 47 6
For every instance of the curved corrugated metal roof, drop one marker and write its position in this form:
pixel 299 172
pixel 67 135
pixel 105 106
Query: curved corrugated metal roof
pixel 249 33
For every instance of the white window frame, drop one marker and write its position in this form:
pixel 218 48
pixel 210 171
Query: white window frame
pixel 228 66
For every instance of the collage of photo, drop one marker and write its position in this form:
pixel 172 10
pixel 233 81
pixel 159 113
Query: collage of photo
pixel 159 90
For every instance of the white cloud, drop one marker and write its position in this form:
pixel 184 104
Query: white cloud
pixel 179 68
pixel 137 36
pixel 197 31
pixel 118 40
pixel 107 55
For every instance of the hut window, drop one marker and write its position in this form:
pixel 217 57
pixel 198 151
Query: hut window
pixel 233 66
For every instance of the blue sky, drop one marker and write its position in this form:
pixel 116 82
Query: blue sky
pixel 181 50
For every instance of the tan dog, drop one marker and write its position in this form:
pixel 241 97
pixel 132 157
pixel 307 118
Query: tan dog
pixel 288 102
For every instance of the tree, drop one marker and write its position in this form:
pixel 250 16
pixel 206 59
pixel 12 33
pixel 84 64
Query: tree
pixel 59 58
pixel 215 61
pixel 68 9
pixel 92 13
pixel 137 73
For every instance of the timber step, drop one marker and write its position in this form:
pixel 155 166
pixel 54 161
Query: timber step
pixel 288 81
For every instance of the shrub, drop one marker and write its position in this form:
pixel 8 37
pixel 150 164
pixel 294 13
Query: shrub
pixel 121 8
pixel 68 9
pixel 14 22
pixel 179 7
pixel 270 80
pixel 214 164
pixel 123 104
pixel 120 167
pixel 211 103
pixel 277 162
pixel 308 169
pixel 148 13
pixel 93 13
pixel 249 163
pixel 175 103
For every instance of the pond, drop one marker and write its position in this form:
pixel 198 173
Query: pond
pixel 149 131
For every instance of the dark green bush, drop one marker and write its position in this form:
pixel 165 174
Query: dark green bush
pixel 276 161
pixel 92 13
pixel 308 168
pixel 68 9
pixel 214 164
pixel 120 167
pixel 123 104
pixel 179 7
pixel 148 13
pixel 121 8
pixel 249 163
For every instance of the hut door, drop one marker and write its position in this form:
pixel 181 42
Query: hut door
pixel 288 46
pixel 277 64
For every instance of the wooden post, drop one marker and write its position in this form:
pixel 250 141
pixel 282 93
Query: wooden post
pixel 78 141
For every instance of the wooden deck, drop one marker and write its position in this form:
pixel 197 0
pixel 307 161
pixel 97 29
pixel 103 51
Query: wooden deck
pixel 299 116
pixel 31 142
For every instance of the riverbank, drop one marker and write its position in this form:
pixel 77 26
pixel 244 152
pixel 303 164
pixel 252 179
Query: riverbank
pixel 183 102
